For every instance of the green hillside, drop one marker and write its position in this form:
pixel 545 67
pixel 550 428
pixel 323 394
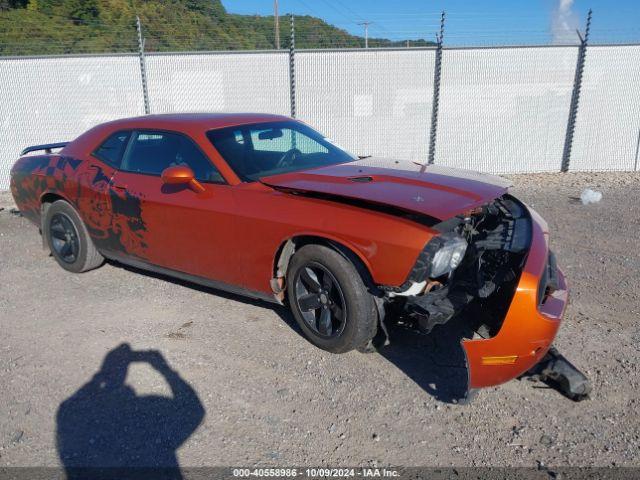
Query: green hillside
pixel 40 27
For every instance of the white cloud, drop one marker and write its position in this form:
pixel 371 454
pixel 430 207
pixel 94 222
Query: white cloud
pixel 564 23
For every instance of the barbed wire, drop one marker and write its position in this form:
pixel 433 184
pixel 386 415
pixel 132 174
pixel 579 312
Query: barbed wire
pixel 119 35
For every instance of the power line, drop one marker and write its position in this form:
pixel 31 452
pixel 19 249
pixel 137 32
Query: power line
pixel 358 18
pixel 349 10
pixel 313 10
pixel 342 13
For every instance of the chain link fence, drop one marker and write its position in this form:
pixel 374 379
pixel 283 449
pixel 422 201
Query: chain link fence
pixel 501 109
pixel 219 82
pixel 60 97
pixel 505 109
pixel 607 133
pixel 370 102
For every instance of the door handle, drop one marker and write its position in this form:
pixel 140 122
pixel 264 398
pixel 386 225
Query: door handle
pixel 119 186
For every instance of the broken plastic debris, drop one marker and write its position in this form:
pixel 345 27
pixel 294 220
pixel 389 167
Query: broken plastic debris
pixel 590 196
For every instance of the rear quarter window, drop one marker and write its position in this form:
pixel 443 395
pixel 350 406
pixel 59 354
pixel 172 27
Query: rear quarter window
pixel 112 149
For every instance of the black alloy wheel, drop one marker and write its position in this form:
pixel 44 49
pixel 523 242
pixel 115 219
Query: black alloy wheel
pixel 329 299
pixel 320 300
pixel 64 238
pixel 68 239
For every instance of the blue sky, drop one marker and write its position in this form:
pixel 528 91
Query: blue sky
pixel 469 22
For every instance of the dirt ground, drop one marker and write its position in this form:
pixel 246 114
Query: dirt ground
pixel 265 396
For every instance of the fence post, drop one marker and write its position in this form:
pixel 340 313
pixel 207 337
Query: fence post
pixel 575 96
pixel 143 69
pixel 436 92
pixel 292 68
pixel 635 164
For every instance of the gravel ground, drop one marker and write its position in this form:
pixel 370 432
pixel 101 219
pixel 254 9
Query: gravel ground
pixel 268 397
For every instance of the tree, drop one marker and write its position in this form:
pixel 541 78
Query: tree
pixel 207 7
pixel 101 26
pixel 8 4
pixel 81 10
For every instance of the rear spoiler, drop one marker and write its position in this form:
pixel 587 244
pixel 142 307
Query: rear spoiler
pixel 47 147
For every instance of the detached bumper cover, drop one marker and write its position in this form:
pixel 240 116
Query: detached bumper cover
pixel 528 328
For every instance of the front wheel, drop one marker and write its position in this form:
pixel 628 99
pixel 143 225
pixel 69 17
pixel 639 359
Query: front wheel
pixel 329 300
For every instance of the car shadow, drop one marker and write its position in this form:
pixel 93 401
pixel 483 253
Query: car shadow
pixel 106 430
pixel 436 362
pixel 280 310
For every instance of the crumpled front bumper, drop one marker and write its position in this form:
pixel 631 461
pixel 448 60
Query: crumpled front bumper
pixel 528 328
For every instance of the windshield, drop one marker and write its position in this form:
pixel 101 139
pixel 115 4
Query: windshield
pixel 262 149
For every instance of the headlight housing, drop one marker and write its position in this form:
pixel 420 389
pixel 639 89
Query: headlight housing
pixel 446 252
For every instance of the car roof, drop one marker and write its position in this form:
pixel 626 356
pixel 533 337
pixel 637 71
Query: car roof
pixel 200 121
pixel 192 124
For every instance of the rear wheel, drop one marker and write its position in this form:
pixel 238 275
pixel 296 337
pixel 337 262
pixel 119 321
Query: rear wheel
pixel 68 239
pixel 329 299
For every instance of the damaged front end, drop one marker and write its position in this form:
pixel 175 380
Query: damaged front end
pixel 496 267
pixel 484 251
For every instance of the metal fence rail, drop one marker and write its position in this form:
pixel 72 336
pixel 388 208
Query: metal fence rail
pixel 501 109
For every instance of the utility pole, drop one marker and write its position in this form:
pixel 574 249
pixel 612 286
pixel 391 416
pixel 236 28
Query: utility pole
pixel 276 23
pixel 366 33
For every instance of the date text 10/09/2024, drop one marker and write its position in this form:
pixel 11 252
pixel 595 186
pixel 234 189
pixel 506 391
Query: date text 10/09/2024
pixel 316 472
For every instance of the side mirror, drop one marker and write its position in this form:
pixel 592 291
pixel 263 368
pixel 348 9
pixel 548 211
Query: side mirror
pixel 181 175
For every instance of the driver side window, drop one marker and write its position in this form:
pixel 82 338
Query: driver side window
pixel 150 152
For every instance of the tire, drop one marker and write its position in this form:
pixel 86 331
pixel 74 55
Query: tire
pixel 68 239
pixel 353 314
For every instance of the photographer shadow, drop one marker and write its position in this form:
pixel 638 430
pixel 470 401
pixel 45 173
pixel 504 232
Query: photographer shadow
pixel 106 430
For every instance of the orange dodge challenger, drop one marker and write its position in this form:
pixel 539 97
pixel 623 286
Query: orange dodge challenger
pixel 264 206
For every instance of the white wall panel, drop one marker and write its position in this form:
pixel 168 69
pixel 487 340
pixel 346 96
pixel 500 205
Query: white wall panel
pixel 219 82
pixel 505 109
pixel 608 123
pixel 47 100
pixel 371 103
